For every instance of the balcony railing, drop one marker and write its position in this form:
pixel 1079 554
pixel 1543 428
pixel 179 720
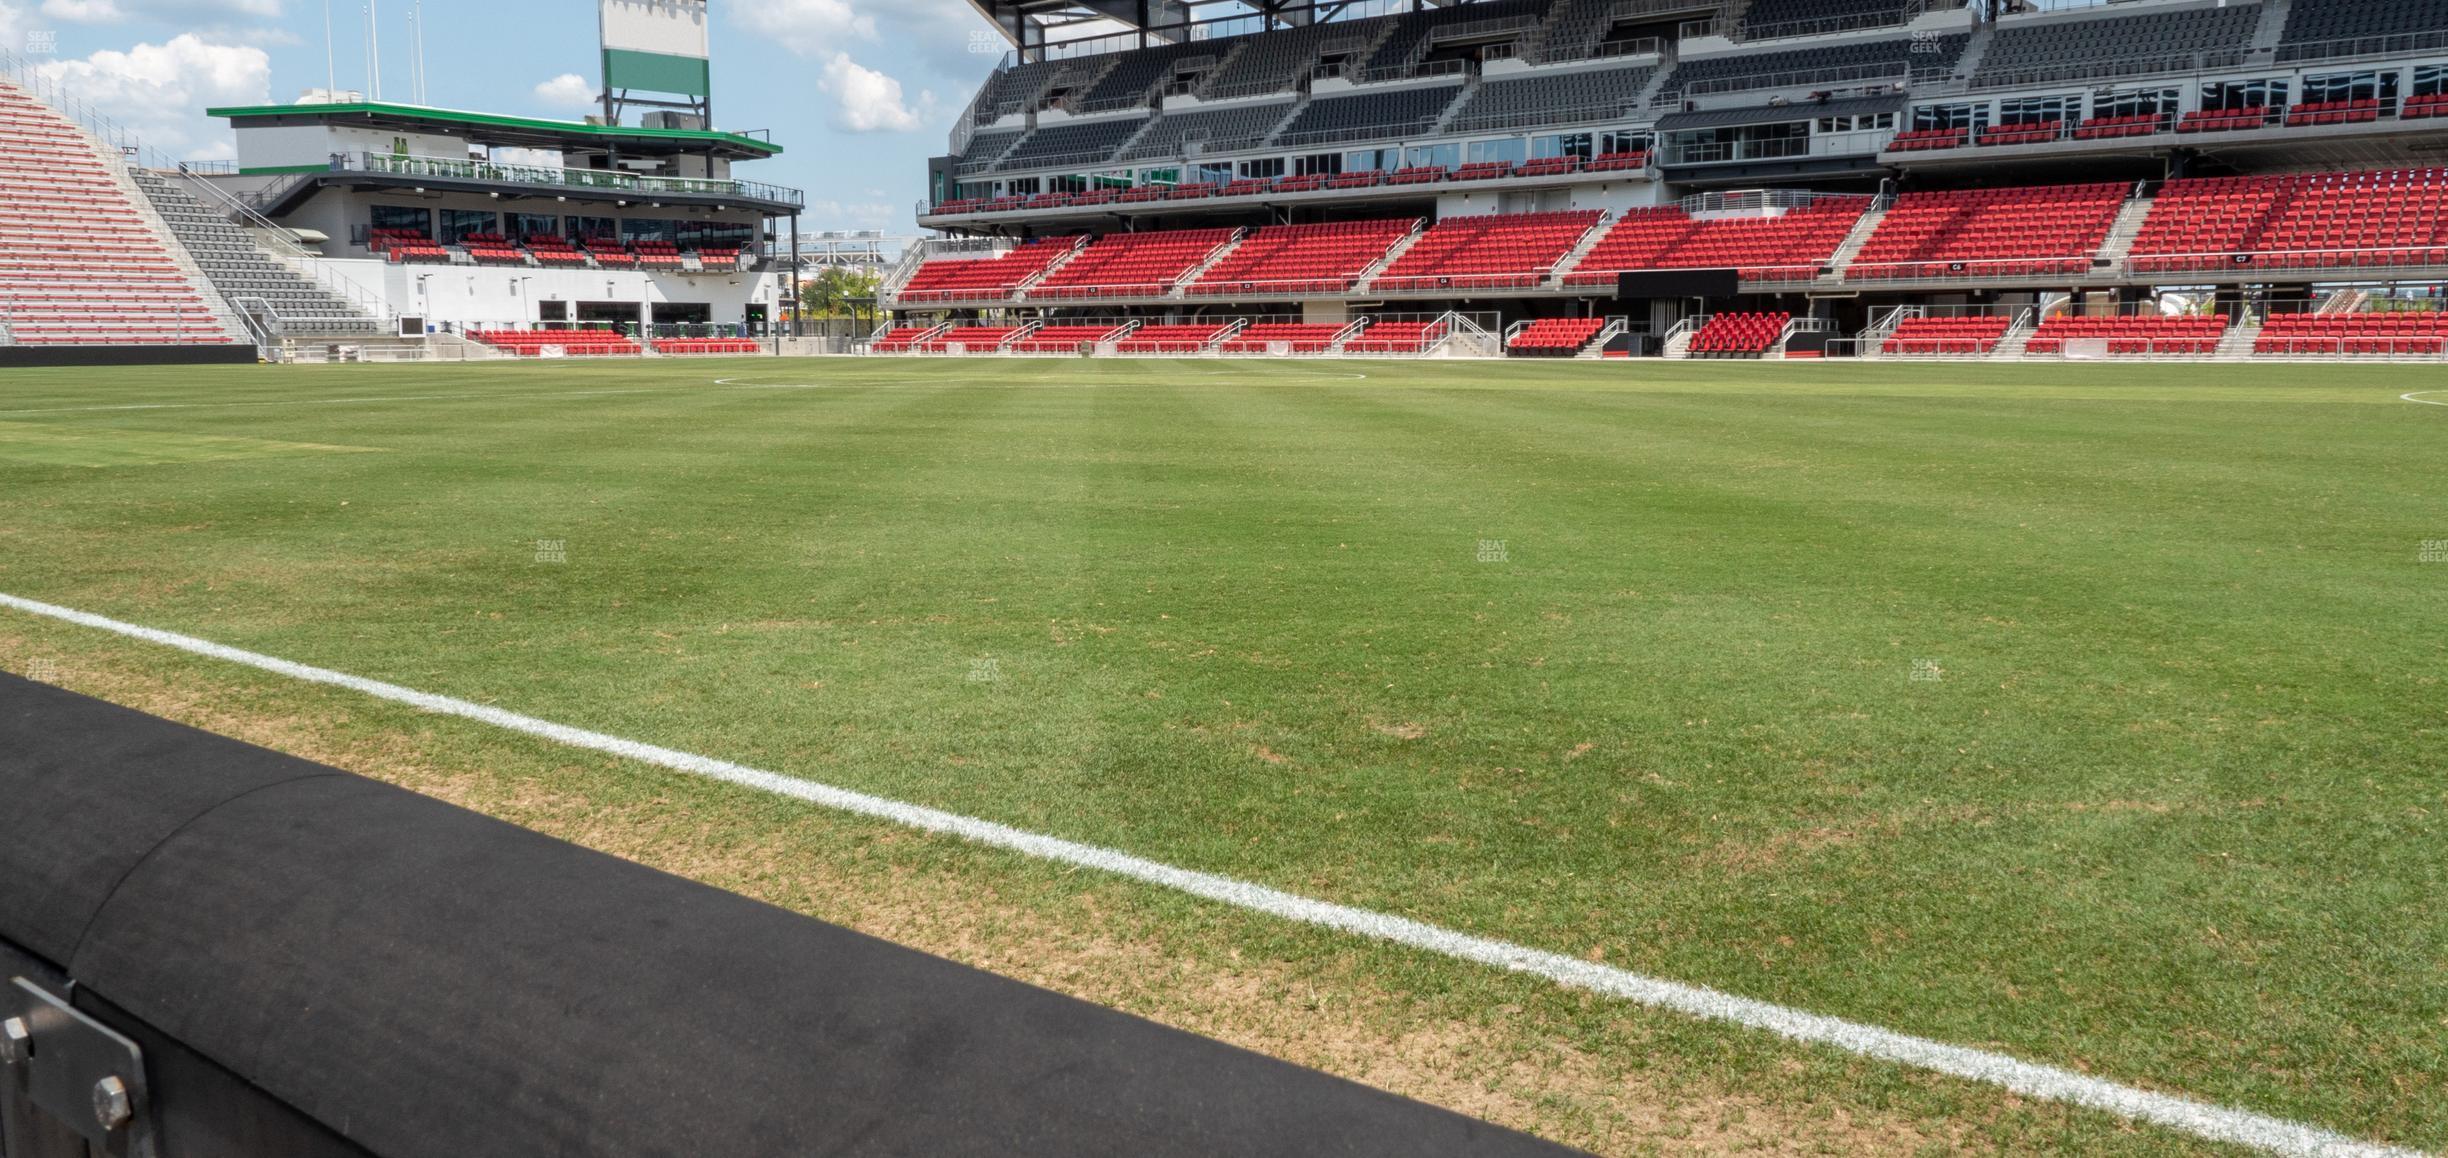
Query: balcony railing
pixel 446 168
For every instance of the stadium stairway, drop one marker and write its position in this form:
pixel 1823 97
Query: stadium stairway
pixel 214 299
pixel 1851 246
pixel 2121 234
pixel 1368 277
pixel 1571 260
pixel 2237 345
pixel 240 268
pixel 2266 38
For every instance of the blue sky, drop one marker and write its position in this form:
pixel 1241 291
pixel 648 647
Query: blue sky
pixel 858 92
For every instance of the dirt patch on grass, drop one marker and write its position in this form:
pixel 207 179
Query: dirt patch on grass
pixel 1098 940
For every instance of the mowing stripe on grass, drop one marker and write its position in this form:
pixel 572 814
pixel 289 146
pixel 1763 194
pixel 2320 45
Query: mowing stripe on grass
pixel 2217 1123
pixel 2417 397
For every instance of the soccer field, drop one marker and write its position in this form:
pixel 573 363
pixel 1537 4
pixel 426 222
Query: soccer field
pixel 2088 715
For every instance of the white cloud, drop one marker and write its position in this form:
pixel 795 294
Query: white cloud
pixel 160 91
pixel 567 91
pixel 806 27
pixel 83 11
pixel 868 101
pixel 12 27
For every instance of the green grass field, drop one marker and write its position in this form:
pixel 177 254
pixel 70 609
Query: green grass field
pixel 2089 714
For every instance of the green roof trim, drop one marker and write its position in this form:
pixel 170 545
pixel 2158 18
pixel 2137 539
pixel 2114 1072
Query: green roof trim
pixel 575 130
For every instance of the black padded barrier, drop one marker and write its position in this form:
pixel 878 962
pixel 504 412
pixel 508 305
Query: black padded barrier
pixel 406 978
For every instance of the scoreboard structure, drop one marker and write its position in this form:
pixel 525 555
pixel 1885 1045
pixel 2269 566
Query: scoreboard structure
pixel 658 56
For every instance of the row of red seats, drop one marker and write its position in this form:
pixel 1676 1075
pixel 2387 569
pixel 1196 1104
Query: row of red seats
pixel 2423 332
pixel 2023 232
pixel 2334 112
pixel 1556 335
pixel 80 264
pixel 683 346
pixel 1739 335
pixel 2370 219
pixel 2160 334
pixel 984 278
pixel 2224 120
pixel 1629 161
pixel 1396 338
pixel 1063 339
pixel 2023 133
pixel 1965 334
pixel 1925 140
pixel 1129 265
pixel 1788 246
pixel 2107 128
pixel 1307 259
pixel 571 342
pixel 1487 251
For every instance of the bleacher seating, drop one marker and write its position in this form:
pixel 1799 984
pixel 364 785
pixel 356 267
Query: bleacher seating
pixel 1788 246
pixel 79 263
pixel 492 249
pixel 1170 339
pixel 2374 219
pixel 1141 70
pixel 2110 128
pixel 2423 106
pixel 1295 337
pixel 2390 334
pixel 2041 48
pixel 1556 336
pixel 1737 335
pixel 652 254
pixel 2223 120
pixel 1618 162
pixel 1072 143
pixel 1294 260
pixel 696 346
pixel 406 245
pixel 1413 31
pixel 2023 133
pixel 1272 63
pixel 574 343
pixel 982 278
pixel 2350 112
pixel 1397 113
pixel 1396 338
pixel 1487 251
pixel 1215 130
pixel 1839 63
pixel 555 251
pixel 1962 335
pixel 1770 17
pixel 1927 140
pixel 2312 23
pixel 900 340
pixel 2132 334
pixel 1561 99
pixel 969 339
pixel 2020 232
pixel 1130 265
pixel 1064 339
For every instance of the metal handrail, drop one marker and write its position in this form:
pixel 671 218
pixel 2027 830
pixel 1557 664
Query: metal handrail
pixel 470 170
pixel 370 303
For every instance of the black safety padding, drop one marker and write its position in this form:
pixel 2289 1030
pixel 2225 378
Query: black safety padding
pixel 83 798
pixel 202 1110
pixel 427 981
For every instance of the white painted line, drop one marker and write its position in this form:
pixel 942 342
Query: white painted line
pixel 2201 1119
pixel 327 401
pixel 2415 397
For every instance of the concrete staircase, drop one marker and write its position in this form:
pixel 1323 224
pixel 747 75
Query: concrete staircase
pixel 2012 345
pixel 239 268
pixel 1571 260
pixel 2271 29
pixel 2236 345
pixel 1851 246
pixel 1368 277
pixel 2121 235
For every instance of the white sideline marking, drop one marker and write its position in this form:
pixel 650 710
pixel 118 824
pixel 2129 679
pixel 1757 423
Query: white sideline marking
pixel 326 401
pixel 2201 1119
pixel 2425 401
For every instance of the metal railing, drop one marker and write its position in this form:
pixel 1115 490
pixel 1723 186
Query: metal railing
pixel 1878 75
pixel 461 169
pixel 371 304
